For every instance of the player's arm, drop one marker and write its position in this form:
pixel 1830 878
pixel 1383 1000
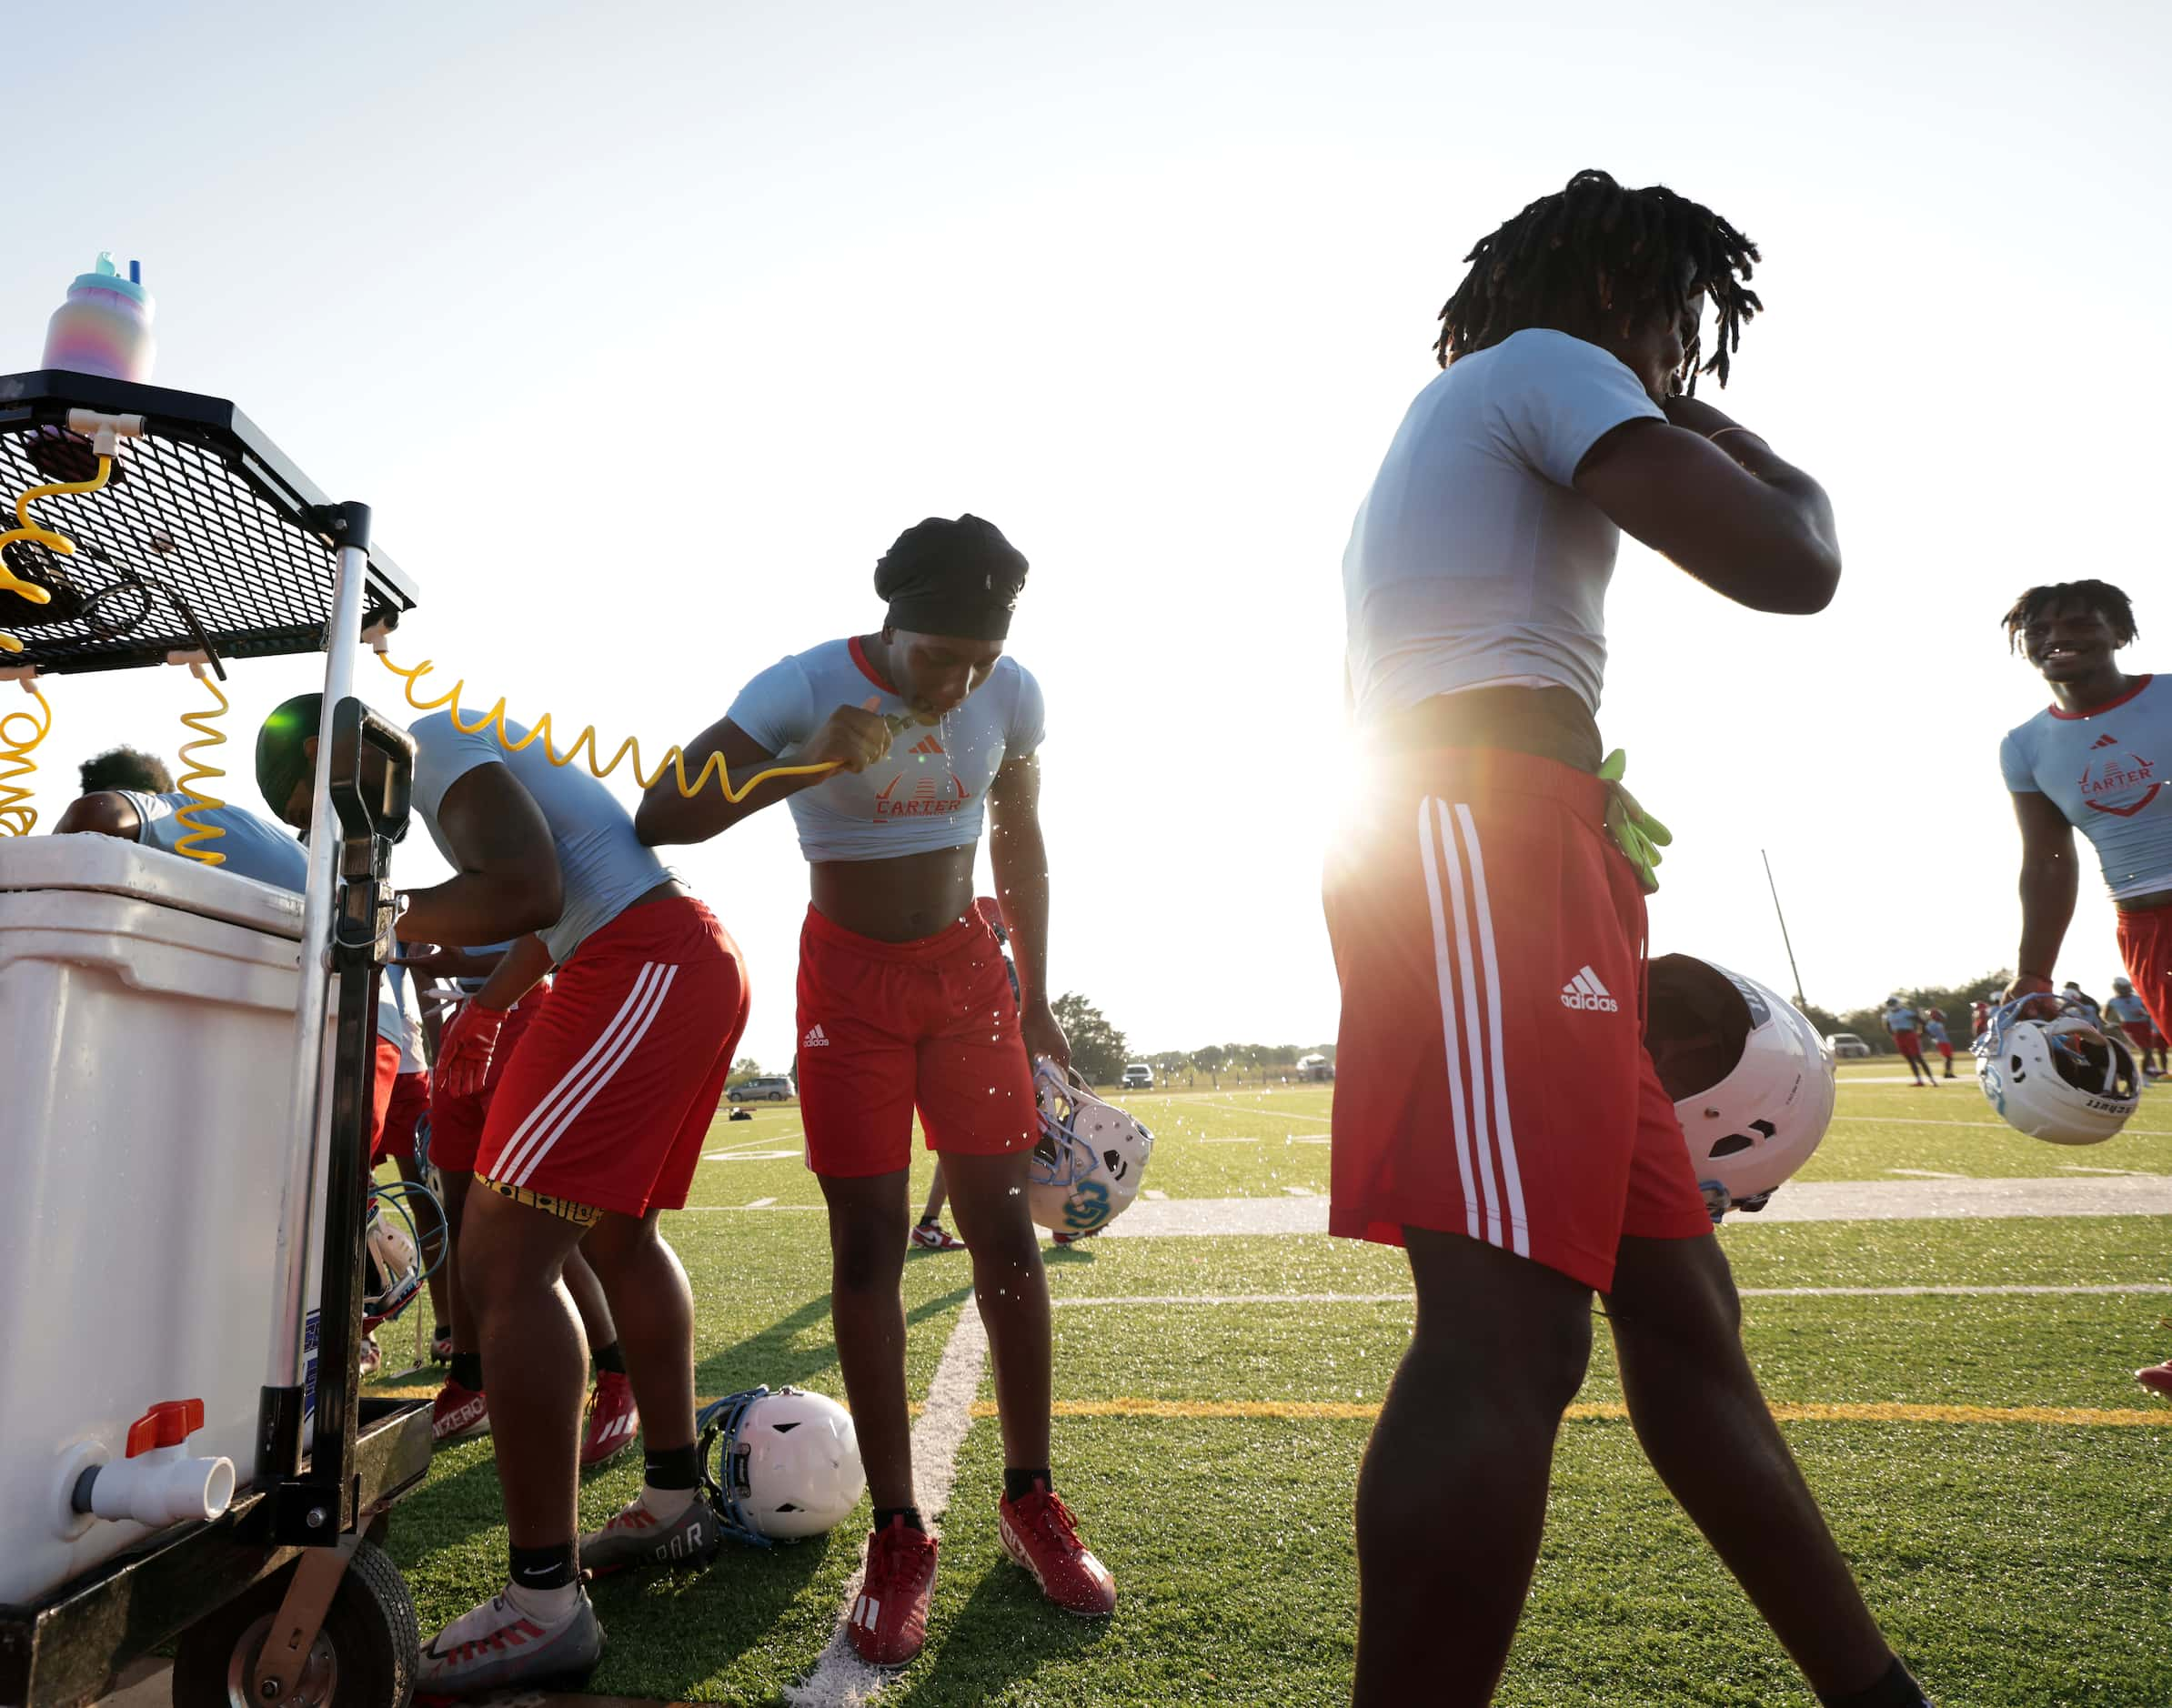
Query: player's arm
pixel 1747 524
pixel 519 970
pixel 1019 855
pixel 850 738
pixel 506 881
pixel 105 812
pixel 2050 879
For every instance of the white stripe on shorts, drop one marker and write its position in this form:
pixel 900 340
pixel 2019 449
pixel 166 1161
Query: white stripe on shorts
pixel 521 1146
pixel 1475 1028
pixel 1512 1177
pixel 630 1038
pixel 1447 996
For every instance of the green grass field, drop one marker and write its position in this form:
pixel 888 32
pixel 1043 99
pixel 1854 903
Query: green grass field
pixel 1211 1439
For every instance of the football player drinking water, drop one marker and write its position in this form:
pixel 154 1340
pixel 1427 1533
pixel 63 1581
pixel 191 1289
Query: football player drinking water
pixel 905 1003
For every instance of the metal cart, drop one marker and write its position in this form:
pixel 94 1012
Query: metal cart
pixel 207 541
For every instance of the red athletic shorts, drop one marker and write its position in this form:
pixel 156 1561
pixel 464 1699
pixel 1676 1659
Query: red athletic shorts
pixel 2145 946
pixel 1945 1047
pixel 1491 1078
pixel 385 1073
pixel 608 1100
pixel 884 1027
pixel 2141 1034
pixel 1908 1043
pixel 457 1122
pixel 396 1138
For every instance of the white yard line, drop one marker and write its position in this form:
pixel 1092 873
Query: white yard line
pixel 840 1679
pixel 1157 1196
pixel 1299 1192
pixel 761 1203
pixel 2112 1290
pixel 1927 1174
pixel 1259 1109
pixel 752 1156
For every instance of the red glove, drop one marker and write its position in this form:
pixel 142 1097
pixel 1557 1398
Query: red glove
pixel 464 1046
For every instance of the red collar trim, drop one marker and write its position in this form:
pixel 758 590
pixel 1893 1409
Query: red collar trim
pixel 2093 711
pixel 859 657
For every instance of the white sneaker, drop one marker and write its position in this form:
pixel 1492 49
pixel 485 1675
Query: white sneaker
pixel 495 1645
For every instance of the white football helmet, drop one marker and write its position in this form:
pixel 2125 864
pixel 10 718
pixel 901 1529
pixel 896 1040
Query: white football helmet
pixel 394 1266
pixel 787 1463
pixel 2063 1079
pixel 1086 1170
pixel 1751 1080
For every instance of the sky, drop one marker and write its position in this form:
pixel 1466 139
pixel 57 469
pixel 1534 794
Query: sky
pixel 644 330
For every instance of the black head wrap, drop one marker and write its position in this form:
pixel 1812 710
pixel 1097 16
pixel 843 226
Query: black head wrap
pixel 958 578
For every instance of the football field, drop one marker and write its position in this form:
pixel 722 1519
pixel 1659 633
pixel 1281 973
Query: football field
pixel 1957 1386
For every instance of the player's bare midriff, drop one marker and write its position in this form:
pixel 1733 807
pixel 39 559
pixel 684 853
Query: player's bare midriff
pixel 897 900
pixel 2148 903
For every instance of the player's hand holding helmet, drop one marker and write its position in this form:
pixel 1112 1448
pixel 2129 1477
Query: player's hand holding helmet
pixel 2054 1074
pixel 1092 1155
pixel 1752 1081
pixel 779 1465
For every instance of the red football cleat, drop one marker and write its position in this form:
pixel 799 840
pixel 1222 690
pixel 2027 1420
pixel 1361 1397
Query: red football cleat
pixel 614 1420
pixel 889 1619
pixel 458 1414
pixel 932 1236
pixel 1042 1535
pixel 2157 1378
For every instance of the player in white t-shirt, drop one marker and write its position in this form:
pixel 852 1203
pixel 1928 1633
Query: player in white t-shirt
pixel 1487 928
pixel 905 1003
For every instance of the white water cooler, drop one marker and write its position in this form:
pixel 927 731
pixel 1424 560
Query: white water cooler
pixel 147 1029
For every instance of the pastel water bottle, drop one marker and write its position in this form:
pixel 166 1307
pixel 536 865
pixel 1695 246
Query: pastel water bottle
pixel 104 327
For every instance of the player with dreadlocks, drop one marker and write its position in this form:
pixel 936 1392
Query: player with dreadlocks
pixel 2098 758
pixel 1487 928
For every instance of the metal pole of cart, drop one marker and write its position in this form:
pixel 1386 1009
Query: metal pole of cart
pixel 310 1096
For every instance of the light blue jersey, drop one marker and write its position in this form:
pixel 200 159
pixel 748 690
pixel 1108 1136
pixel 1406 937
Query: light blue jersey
pixel 929 791
pixel 2107 771
pixel 2128 1010
pixel 1934 1030
pixel 1903 1019
pixel 253 848
pixel 604 867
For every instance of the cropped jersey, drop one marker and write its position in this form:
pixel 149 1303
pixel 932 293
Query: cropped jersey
pixel 2108 771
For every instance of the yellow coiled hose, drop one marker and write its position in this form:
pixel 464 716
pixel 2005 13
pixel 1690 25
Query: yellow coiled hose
pixel 17 816
pixel 674 760
pixel 27 529
pixel 196 844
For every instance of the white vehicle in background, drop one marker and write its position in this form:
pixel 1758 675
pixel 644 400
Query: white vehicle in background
pixel 1316 1069
pixel 1137 1076
pixel 1846 1046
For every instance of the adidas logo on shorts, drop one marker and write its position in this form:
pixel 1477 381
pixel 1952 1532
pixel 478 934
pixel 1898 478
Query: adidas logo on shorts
pixel 1586 991
pixel 813 1039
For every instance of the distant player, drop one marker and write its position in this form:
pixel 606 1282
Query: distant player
pixel 1488 931
pixel 595 1128
pixel 2097 759
pixel 1979 1019
pixel 1934 1031
pixel 2131 1014
pixel 1905 1026
pixel 904 1003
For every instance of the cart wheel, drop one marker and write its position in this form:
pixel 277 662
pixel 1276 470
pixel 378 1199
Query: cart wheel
pixel 365 1657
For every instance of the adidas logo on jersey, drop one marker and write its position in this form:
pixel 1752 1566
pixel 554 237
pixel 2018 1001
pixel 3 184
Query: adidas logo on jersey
pixel 2104 741
pixel 814 1038
pixel 1586 991
pixel 930 745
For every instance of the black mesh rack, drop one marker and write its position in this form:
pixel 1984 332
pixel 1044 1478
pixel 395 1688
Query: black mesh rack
pixel 205 537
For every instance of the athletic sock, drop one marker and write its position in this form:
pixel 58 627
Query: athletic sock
pixel 468 1371
pixel 612 1359
pixel 1018 1484
pixel 545 1583
pixel 669 1480
pixel 910 1515
pixel 928 1221
pixel 1896 1690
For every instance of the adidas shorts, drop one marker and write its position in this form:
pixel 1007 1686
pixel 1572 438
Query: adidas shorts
pixel 1909 1044
pixel 2145 949
pixel 885 1028
pixel 1491 1078
pixel 606 1101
